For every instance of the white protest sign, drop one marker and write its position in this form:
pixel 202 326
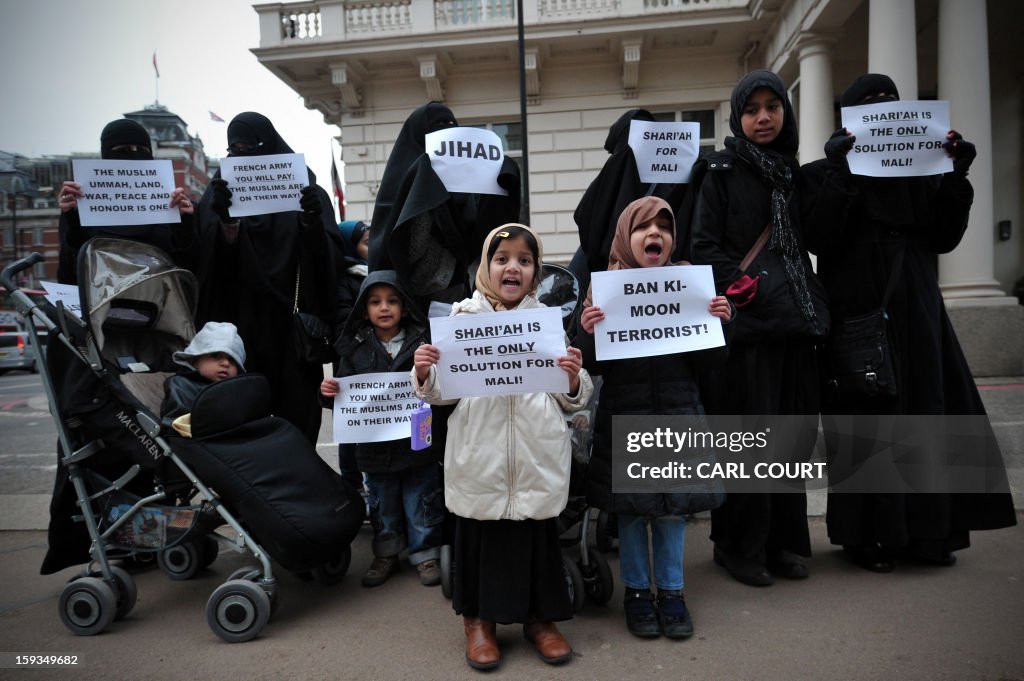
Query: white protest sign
pixel 664 152
pixel 466 159
pixel 64 293
pixel 374 407
pixel 500 353
pixel 655 311
pixel 119 193
pixel 264 184
pixel 898 139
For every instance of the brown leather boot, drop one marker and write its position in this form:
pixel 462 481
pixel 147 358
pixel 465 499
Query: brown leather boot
pixel 481 643
pixel 551 645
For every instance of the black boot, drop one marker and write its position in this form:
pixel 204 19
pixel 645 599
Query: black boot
pixel 673 615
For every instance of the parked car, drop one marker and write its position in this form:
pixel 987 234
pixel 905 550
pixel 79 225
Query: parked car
pixel 15 352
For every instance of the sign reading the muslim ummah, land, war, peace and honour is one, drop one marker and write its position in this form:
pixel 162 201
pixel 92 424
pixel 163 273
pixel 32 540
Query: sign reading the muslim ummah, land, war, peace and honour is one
pixel 121 193
pixel 655 311
pixel 664 152
pixel 500 353
pixel 898 139
pixel 467 159
pixel 264 184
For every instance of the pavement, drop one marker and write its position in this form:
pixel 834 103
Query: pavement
pixel 919 622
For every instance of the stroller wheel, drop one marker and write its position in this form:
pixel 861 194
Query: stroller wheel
pixel 125 592
pixel 606 531
pixel 574 583
pixel 597 577
pixel 180 562
pixel 238 610
pixel 447 565
pixel 87 606
pixel 210 549
pixel 332 571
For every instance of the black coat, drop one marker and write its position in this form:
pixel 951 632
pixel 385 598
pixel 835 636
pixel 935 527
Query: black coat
pixel 662 385
pixel 362 353
pixel 857 226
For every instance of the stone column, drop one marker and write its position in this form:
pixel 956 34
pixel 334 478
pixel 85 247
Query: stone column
pixel 989 324
pixel 892 43
pixel 817 113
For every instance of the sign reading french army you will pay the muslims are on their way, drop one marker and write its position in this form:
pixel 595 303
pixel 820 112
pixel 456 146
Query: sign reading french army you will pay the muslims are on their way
pixel 120 193
pixel 264 184
pixel 655 311
pixel 500 353
pixel 898 139
pixel 374 407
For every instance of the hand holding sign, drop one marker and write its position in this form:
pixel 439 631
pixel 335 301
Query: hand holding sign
pixel 961 151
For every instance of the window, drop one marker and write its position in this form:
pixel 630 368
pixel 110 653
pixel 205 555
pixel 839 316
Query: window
pixel 706 118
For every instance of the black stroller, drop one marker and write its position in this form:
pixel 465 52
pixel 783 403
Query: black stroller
pixel 587 573
pixel 123 491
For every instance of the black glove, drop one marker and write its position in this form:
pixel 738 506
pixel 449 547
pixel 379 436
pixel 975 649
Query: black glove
pixel 220 200
pixel 838 146
pixel 310 204
pixel 962 152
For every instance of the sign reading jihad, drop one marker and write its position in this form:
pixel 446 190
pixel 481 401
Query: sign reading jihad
pixel 664 152
pixel 898 139
pixel 655 311
pixel 466 160
pixel 119 193
pixel 264 184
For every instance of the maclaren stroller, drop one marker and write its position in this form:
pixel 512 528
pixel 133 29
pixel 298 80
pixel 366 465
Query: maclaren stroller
pixel 125 490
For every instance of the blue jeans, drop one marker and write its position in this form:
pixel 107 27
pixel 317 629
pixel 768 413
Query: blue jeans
pixel 407 512
pixel 668 534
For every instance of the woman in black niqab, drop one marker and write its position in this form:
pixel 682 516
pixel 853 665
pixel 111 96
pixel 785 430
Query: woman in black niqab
pixel 860 227
pixel 124 140
pixel 249 272
pixel 429 236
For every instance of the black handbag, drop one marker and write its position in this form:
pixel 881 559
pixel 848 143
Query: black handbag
pixel 312 334
pixel 859 359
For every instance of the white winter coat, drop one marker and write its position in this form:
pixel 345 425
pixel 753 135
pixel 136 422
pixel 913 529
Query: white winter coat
pixel 507 457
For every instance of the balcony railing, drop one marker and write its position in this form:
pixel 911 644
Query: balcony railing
pixel 336 20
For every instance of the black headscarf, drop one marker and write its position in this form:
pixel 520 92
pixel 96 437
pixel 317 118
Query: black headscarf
pixel 788 140
pixel 615 187
pixel 256 129
pixel 125 131
pixel 865 90
pixel 409 146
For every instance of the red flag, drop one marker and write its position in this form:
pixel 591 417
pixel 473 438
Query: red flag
pixel 215 118
pixel 336 184
pixel 154 65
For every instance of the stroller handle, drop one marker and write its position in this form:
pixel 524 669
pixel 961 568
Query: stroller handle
pixel 7 276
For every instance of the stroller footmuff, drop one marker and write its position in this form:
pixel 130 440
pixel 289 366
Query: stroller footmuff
pixel 267 474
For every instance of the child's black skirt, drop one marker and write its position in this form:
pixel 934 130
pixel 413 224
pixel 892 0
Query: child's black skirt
pixel 509 571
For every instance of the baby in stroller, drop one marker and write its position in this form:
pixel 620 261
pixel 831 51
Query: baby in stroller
pixel 215 353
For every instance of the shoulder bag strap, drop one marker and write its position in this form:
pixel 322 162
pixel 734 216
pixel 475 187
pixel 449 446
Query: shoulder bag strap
pixel 298 274
pixel 756 249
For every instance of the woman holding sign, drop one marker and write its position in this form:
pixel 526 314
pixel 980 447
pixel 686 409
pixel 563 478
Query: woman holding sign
pixel 429 235
pixel 747 227
pixel 257 269
pixel 876 240
pixel 123 140
pixel 506 472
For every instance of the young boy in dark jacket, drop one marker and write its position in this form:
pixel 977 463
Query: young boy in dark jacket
pixel 405 489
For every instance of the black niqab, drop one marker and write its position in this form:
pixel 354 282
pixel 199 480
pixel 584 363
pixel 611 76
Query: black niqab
pixel 868 87
pixel 255 129
pixel 125 131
